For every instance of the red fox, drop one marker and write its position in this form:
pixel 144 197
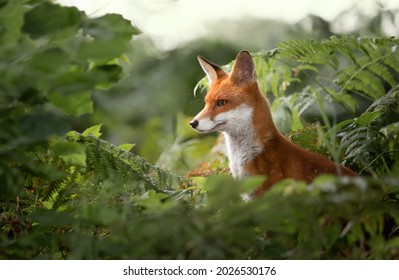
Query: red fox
pixel 236 106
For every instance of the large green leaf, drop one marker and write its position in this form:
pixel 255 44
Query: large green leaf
pixel 112 34
pixel 102 51
pixel 78 80
pixel 102 76
pixel 109 27
pixel 11 20
pixel 52 21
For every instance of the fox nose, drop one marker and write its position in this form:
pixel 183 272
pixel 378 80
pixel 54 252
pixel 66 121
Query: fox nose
pixel 194 123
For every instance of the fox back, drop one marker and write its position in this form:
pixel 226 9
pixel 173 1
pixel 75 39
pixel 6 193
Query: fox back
pixel 236 106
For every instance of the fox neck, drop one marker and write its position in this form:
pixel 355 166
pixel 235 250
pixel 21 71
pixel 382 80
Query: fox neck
pixel 245 145
pixel 241 149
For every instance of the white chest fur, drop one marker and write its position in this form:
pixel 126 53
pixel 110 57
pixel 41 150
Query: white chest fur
pixel 240 139
pixel 240 150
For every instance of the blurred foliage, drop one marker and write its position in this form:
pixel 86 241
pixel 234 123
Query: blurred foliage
pixel 70 195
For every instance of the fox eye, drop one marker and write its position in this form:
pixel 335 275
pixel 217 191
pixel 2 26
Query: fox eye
pixel 222 102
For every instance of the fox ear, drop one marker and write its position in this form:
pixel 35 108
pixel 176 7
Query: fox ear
pixel 212 71
pixel 243 69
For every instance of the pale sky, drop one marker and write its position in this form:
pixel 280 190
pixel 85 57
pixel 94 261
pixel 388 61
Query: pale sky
pixel 170 22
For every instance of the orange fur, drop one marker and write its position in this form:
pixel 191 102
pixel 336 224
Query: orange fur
pixel 255 146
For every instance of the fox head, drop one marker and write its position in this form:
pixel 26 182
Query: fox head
pixel 231 99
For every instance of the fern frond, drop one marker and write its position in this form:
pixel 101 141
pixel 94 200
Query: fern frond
pixel 392 61
pixel 365 145
pixel 381 70
pixel 363 66
pixel 51 189
pixel 309 52
pixel 108 162
pixel 366 83
pixel 386 105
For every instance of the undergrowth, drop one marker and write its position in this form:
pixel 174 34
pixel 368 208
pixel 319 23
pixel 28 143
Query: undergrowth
pixel 71 195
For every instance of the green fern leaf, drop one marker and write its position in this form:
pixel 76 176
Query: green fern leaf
pixel 108 162
pixel 392 60
pixel 382 71
pixel 364 143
